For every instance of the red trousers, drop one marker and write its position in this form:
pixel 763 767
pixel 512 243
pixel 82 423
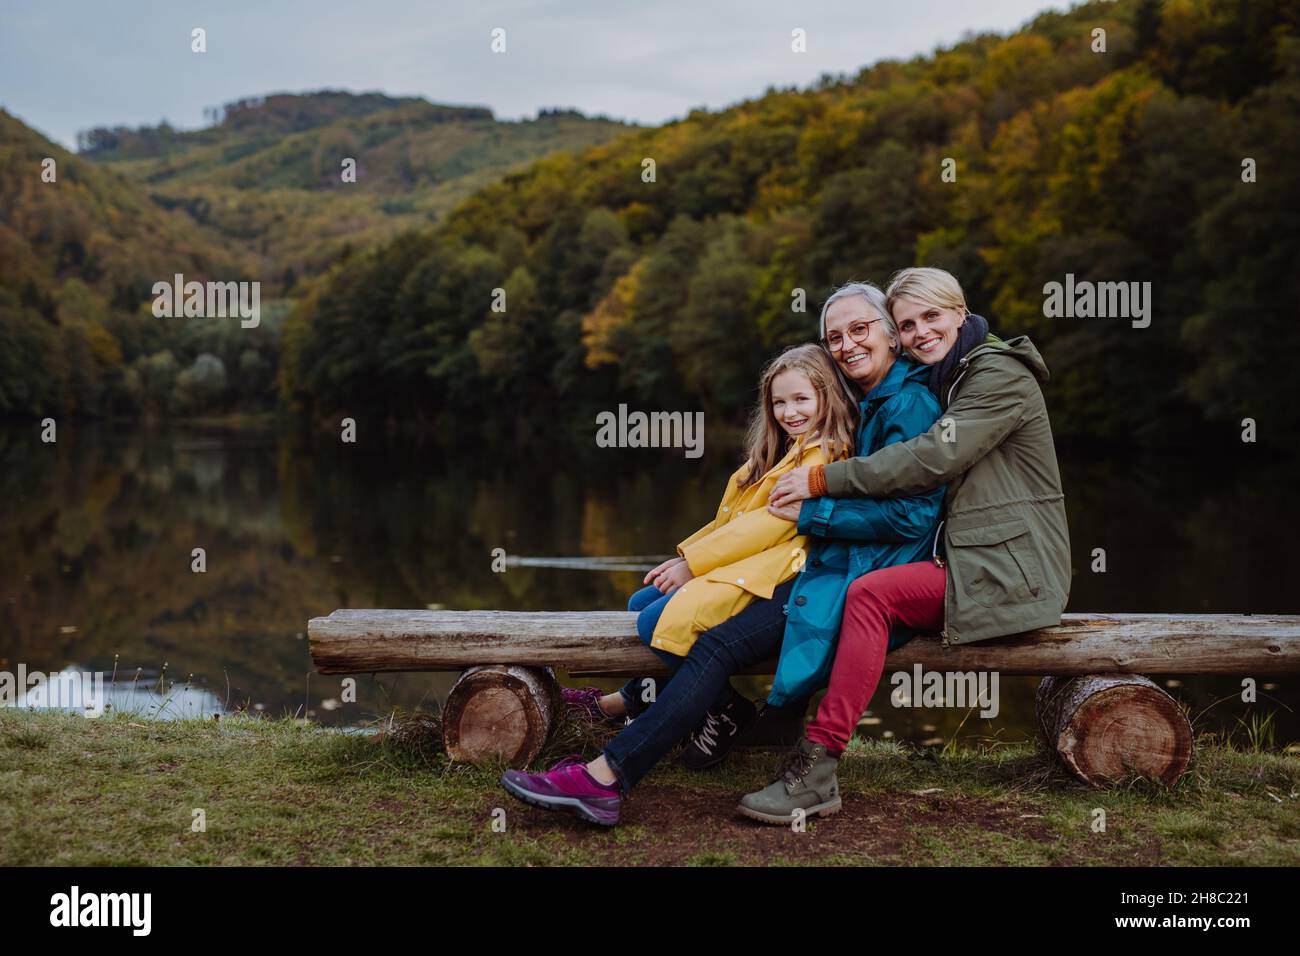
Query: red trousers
pixel 907 594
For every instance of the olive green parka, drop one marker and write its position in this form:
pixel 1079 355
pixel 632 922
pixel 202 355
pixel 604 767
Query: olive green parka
pixel 1005 543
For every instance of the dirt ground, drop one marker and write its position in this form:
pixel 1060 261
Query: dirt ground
pixel 674 825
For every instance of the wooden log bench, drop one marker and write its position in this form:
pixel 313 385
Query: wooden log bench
pixel 1094 708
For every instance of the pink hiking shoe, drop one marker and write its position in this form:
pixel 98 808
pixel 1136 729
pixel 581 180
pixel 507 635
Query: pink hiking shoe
pixel 587 700
pixel 567 786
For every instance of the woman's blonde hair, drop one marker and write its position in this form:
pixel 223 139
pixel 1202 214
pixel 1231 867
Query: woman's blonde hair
pixel 926 285
pixel 836 415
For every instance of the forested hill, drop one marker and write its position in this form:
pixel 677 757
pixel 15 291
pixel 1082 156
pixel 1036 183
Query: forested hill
pixel 1123 165
pixel 268 174
pixel 244 121
pixel 258 195
pixel 670 291
pixel 80 246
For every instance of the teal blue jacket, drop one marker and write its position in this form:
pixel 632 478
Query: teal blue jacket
pixel 850 536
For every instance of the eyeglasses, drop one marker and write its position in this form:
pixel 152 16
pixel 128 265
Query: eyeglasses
pixel 858 332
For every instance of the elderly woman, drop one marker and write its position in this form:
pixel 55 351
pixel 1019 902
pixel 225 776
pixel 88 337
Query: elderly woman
pixel 1001 562
pixel 894 405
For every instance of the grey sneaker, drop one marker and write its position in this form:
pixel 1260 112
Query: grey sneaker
pixel 806 782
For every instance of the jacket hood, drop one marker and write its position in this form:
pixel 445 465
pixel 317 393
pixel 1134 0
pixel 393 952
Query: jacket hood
pixel 1020 348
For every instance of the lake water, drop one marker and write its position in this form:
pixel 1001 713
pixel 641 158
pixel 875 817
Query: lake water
pixel 97 532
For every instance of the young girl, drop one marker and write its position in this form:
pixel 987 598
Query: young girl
pixel 805 416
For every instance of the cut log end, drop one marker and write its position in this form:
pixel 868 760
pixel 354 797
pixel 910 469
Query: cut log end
pixel 1107 727
pixel 500 714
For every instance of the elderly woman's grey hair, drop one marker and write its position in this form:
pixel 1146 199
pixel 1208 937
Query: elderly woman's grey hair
pixel 878 302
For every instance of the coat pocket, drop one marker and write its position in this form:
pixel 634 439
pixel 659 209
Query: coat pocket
pixel 998 563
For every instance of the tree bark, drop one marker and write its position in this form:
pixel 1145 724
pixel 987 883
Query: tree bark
pixel 1106 726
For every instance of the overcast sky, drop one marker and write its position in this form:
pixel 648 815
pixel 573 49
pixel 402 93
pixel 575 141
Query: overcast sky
pixel 68 65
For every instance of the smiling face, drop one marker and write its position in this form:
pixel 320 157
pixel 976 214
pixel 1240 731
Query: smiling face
pixel 794 402
pixel 926 331
pixel 867 361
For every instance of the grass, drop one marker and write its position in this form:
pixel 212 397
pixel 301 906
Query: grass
pixel 124 791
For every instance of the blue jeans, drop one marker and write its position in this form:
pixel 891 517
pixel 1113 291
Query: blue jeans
pixel 649 603
pixel 701 680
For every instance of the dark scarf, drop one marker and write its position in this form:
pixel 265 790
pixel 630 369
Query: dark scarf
pixel 972 333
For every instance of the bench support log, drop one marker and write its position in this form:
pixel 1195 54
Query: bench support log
pixel 1103 726
pixel 500 714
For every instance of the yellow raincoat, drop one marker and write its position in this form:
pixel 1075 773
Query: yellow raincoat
pixel 743 553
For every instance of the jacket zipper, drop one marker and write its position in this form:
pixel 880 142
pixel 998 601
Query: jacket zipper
pixel 943 634
pixel 938 561
pixel 961 368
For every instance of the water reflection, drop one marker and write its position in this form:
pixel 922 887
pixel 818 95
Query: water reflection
pixel 98 532
pixel 94 696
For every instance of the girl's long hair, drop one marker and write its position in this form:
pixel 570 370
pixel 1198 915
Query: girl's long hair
pixel 836 415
